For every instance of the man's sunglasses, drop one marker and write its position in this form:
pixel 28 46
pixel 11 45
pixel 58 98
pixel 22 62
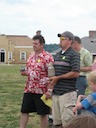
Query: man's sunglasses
pixel 63 38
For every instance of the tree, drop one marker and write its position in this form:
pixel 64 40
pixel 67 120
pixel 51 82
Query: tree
pixel 51 47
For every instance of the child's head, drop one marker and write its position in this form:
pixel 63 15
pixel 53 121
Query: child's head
pixel 92 80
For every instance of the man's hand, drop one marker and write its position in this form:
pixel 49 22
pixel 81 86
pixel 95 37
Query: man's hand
pixel 48 94
pixel 24 73
pixel 54 80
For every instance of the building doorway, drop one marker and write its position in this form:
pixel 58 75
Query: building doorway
pixel 2 55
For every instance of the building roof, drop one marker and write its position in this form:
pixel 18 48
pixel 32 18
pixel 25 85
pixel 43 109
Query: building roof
pixel 89 43
pixel 20 40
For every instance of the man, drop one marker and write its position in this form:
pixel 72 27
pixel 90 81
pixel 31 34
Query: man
pixel 85 65
pixel 36 85
pixel 67 66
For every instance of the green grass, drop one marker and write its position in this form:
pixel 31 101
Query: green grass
pixel 11 93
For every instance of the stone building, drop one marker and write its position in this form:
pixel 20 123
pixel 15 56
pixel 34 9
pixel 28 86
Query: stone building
pixel 15 49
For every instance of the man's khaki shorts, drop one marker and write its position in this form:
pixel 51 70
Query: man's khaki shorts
pixel 62 108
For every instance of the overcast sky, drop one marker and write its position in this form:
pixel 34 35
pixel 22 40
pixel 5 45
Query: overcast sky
pixel 25 17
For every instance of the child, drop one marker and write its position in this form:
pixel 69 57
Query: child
pixel 87 105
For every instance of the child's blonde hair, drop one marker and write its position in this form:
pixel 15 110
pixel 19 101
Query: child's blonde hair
pixel 92 77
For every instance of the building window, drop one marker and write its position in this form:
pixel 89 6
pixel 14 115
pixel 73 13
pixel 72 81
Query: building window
pixel 9 55
pixel 22 55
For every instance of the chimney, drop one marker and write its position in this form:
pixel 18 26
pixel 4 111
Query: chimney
pixel 92 34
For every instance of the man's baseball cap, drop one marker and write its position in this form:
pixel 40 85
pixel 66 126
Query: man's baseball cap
pixel 67 34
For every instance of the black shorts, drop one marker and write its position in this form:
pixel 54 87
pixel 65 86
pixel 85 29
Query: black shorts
pixel 33 103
